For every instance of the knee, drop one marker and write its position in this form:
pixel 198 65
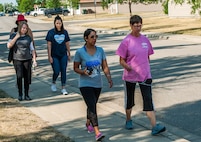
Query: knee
pixel 56 73
pixel 19 75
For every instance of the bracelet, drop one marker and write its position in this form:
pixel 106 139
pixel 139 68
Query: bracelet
pixel 110 81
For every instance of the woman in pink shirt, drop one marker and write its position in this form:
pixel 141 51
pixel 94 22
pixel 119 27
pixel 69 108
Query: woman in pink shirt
pixel 134 52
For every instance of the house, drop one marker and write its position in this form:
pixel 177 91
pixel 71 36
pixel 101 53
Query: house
pixel 115 8
pixel 90 6
pixel 184 10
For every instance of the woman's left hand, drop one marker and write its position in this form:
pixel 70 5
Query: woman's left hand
pixel 69 58
pixel 35 64
pixel 110 83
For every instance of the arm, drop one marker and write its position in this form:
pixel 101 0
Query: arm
pixel 106 70
pixel 49 46
pixel 12 41
pixel 33 54
pixel 34 58
pixel 30 33
pixel 68 50
pixel 124 64
pixel 78 70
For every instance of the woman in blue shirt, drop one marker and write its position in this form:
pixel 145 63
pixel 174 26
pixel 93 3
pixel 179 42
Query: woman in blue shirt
pixel 58 48
pixel 88 62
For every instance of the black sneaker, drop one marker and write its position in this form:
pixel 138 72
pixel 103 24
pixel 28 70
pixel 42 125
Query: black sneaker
pixel 20 98
pixel 27 98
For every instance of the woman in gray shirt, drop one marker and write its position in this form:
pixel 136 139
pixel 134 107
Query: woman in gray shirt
pixel 88 62
pixel 23 53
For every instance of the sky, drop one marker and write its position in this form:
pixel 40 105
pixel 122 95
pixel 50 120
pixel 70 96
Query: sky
pixel 8 1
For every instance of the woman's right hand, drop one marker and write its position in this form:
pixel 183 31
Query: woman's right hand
pixel 17 35
pixel 128 68
pixel 50 60
pixel 86 72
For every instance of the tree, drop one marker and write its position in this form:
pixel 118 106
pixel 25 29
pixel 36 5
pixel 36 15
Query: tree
pixel 74 4
pixel 129 2
pixel 1 7
pixel 18 2
pixel 9 7
pixel 42 3
pixel 195 4
pixel 53 3
pixel 165 6
pixel 26 5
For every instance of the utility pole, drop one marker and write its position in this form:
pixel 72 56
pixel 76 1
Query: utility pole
pixel 117 8
pixel 95 7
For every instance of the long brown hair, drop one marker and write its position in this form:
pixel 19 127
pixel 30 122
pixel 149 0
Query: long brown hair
pixel 20 27
pixel 62 26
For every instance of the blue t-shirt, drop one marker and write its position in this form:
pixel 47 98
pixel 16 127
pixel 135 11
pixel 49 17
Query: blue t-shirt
pixel 93 64
pixel 58 40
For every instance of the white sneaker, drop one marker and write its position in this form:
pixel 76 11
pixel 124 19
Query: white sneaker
pixel 64 92
pixel 53 87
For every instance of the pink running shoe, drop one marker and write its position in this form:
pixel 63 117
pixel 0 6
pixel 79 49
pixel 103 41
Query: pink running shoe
pixel 99 137
pixel 90 128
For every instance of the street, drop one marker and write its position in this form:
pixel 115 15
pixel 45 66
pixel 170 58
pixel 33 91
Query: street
pixel 176 72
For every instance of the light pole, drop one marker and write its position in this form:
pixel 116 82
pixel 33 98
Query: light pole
pixel 117 8
pixel 95 7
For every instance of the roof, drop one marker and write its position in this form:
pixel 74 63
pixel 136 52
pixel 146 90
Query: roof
pixel 89 1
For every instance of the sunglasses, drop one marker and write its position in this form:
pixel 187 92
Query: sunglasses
pixel 94 36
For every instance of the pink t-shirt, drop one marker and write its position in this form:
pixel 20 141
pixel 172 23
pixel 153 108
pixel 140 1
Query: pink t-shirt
pixel 136 51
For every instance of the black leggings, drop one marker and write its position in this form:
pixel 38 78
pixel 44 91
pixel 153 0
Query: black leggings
pixel 23 70
pixel 91 96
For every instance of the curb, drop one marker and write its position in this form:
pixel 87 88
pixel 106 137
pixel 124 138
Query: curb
pixel 155 36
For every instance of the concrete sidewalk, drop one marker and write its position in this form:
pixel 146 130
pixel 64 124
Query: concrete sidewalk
pixel 67 114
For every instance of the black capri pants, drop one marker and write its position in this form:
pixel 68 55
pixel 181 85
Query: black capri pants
pixel 91 96
pixel 146 91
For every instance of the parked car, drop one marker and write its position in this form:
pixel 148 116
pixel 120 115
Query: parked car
pixel 87 11
pixel 39 11
pixel 10 14
pixel 16 13
pixel 2 14
pixel 55 11
pixel 27 13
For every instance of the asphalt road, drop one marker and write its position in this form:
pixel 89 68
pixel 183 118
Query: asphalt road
pixel 176 71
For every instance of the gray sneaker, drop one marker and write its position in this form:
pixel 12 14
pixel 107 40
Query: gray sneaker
pixel 53 87
pixel 158 129
pixel 64 92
